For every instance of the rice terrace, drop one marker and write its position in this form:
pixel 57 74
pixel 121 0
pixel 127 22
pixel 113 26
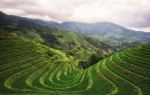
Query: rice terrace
pixel 40 57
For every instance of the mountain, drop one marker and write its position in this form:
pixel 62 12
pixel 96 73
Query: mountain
pixel 73 43
pixel 110 33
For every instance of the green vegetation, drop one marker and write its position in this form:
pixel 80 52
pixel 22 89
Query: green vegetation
pixel 31 68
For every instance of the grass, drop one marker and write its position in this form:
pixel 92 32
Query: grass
pixel 27 69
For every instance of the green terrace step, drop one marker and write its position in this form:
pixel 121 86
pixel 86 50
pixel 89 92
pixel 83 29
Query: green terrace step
pixel 138 80
pixel 134 60
pixel 124 87
pixel 130 66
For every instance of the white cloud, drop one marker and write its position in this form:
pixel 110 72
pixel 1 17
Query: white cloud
pixel 130 13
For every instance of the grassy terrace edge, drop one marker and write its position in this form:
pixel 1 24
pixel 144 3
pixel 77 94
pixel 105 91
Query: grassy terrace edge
pixel 26 68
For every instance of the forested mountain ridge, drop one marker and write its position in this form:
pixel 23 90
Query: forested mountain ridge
pixel 106 32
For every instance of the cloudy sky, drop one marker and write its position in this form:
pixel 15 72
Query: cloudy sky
pixel 129 13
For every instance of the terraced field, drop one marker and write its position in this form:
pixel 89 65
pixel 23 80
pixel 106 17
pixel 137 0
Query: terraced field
pixel 26 69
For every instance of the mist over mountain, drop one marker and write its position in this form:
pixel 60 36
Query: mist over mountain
pixel 108 32
pixel 104 31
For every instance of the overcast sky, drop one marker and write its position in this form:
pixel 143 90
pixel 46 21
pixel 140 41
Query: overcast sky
pixel 129 13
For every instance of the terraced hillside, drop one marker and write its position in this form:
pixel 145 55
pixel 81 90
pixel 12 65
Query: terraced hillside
pixel 30 68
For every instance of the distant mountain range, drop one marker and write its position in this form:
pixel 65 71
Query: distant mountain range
pixel 107 32
pixel 104 31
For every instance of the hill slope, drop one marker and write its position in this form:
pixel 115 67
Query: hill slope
pixel 28 67
pixel 72 43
